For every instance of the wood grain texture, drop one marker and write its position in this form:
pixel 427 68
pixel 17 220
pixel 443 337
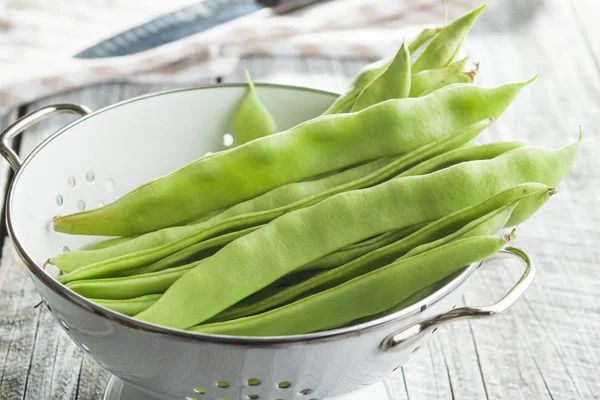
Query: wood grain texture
pixel 545 347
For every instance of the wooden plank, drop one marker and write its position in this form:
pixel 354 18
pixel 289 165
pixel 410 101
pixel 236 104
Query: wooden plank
pixel 543 348
pixel 587 14
pixel 19 325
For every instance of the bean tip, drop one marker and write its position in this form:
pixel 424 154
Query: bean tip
pixel 249 79
pixel 530 80
pixel 510 236
pixel 552 191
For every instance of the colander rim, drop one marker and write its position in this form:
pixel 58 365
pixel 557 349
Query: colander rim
pixel 255 341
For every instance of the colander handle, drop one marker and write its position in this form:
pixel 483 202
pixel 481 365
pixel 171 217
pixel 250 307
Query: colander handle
pixel 29 120
pixel 408 338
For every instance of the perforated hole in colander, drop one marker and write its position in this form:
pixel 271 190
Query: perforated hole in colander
pixel 252 396
pixel 81 205
pixel 89 176
pixel 284 385
pixel 65 249
pixel 59 200
pixel 71 182
pixel 306 392
pixel 199 390
pixel 110 185
pixel 190 398
pixel 253 382
pixel 223 384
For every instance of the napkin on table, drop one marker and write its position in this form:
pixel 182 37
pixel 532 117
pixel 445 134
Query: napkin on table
pixel 38 39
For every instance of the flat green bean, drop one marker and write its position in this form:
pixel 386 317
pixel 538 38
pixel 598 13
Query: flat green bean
pixel 103 244
pixel 445 45
pixel 409 301
pixel 423 80
pixel 423 37
pixel 460 77
pixel 393 83
pixel 190 253
pixel 69 263
pixel 252 120
pixel 356 250
pixel 507 216
pixel 397 126
pixel 462 154
pixel 130 306
pixel 369 73
pixel 365 295
pixel 130 286
pixel 256 260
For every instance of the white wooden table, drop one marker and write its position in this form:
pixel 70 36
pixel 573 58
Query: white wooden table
pixel 546 346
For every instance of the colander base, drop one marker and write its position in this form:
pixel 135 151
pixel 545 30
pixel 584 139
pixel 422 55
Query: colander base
pixel 119 390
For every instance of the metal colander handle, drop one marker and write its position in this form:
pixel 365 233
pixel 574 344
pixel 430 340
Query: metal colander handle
pixel 29 120
pixel 410 336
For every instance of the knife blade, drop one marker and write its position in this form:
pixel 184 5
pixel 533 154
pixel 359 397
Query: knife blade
pixel 187 21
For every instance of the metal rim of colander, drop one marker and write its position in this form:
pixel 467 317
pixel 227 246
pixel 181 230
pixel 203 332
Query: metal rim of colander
pixel 260 341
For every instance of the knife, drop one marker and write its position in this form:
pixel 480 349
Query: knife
pixel 185 22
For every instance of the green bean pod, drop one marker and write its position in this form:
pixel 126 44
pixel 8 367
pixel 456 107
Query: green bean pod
pixel 103 244
pixel 366 295
pixel 423 80
pixel 256 260
pixel 505 217
pixel 485 218
pixel 462 154
pixel 396 126
pixel 445 45
pixel 422 38
pixel 237 219
pixel 356 250
pixel 393 83
pixel 129 307
pixel 130 286
pixel 370 72
pixel 460 77
pixel 409 301
pixel 252 120
pixel 489 224
pixel 71 262
pixel 192 252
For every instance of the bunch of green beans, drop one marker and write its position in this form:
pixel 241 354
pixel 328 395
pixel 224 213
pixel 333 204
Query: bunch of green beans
pixel 364 210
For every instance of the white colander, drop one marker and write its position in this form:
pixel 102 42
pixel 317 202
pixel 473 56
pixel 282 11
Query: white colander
pixel 105 154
